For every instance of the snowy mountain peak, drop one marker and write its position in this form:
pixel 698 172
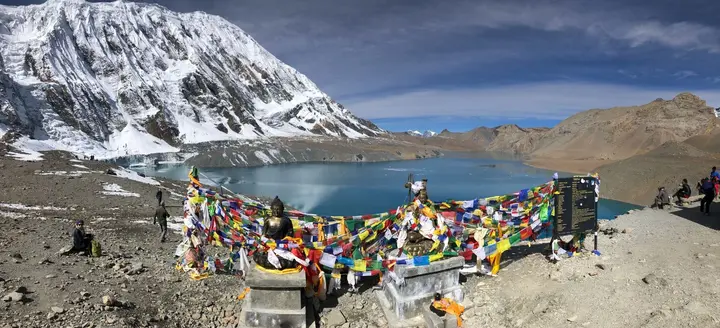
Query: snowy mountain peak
pixel 121 78
pixel 426 134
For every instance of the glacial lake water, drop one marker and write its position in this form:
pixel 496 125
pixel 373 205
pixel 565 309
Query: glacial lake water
pixel 365 188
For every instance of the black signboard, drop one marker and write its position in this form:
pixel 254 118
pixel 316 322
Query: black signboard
pixel 575 205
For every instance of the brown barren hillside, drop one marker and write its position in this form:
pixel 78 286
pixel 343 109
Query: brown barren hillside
pixel 594 137
pixel 597 137
pixel 621 132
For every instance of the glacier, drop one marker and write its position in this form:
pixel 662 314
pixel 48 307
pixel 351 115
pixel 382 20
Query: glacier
pixel 119 78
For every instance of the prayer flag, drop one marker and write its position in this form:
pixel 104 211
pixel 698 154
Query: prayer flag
pixel 421 260
pixel 328 260
pixel 359 266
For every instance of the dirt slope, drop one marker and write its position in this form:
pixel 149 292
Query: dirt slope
pixel 621 132
pixel 637 178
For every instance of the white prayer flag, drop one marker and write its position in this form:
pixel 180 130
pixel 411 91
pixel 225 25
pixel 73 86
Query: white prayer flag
pixel 328 260
pixel 479 252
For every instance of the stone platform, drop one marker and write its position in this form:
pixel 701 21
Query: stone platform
pixel 275 300
pixel 404 304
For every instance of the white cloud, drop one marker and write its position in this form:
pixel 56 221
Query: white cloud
pixel 684 74
pixel 552 100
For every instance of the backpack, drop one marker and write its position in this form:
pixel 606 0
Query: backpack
pixel 96 249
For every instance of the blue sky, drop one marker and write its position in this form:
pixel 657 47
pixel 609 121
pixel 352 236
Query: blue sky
pixel 457 64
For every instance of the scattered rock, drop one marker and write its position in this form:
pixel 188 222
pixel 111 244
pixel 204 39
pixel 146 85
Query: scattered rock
pixel 572 319
pixel 51 315
pixel 14 297
pixel 601 266
pixel 335 318
pixel 109 301
pixel 57 309
pixel 652 279
pixel 21 289
pixel 627 230
pixel 541 307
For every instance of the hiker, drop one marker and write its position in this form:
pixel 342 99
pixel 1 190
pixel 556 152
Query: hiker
pixel 662 198
pixel 708 190
pixel 158 195
pixel 82 242
pixel 683 192
pixel 714 174
pixel 160 217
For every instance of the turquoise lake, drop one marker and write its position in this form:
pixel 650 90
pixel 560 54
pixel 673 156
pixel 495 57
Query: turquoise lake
pixel 365 188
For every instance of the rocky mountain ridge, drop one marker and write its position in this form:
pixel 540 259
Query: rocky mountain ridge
pixel 121 78
pixel 600 134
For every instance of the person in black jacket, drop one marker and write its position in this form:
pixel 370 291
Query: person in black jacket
pixel 81 240
pixel 161 215
pixel 684 192
pixel 158 195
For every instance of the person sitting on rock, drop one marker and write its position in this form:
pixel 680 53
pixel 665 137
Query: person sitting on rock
pixel 82 242
pixel 662 198
pixel 684 192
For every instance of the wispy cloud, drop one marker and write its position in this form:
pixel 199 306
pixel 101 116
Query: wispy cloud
pixel 549 101
pixel 684 74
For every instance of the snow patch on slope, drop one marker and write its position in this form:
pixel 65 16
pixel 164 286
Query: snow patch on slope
pixel 132 175
pixel 263 157
pixel 112 189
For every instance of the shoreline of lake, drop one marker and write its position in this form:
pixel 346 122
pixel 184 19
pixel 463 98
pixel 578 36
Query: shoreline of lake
pixel 365 188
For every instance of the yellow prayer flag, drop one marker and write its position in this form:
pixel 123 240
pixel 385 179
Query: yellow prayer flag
pixel 503 245
pixel 436 257
pixel 359 266
pixel 364 235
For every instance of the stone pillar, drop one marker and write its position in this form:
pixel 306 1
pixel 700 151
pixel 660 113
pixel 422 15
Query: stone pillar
pixel 275 300
pixel 405 302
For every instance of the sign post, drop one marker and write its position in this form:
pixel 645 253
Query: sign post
pixel 576 207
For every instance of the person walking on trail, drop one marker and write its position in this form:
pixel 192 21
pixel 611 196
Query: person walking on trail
pixel 159 195
pixel 708 190
pixel 161 216
pixel 714 173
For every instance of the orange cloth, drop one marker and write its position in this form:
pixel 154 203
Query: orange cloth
pixel 449 306
pixel 495 262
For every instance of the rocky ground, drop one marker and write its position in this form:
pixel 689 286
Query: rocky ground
pixel 657 269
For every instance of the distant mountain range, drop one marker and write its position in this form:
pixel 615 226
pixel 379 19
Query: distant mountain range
pixel 596 135
pixel 426 134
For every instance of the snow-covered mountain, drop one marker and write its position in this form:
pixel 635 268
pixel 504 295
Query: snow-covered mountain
pixel 116 79
pixel 426 134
